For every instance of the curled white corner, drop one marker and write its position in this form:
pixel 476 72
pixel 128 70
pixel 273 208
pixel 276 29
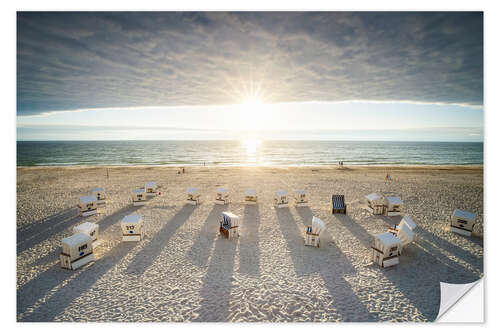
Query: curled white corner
pixel 450 295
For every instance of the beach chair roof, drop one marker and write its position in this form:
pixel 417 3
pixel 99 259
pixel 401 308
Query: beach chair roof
pixel 300 192
pixel 251 192
pixel 409 222
pixel 85 226
pixel 405 235
pixel 97 189
pixel 388 239
pixel 138 190
pixel 464 214
pixel 373 197
pixel 132 219
pixel 192 190
pixel 150 184
pixel 317 225
pixel 230 215
pixel 77 239
pixel 281 193
pixel 220 190
pixel 88 199
pixel 394 200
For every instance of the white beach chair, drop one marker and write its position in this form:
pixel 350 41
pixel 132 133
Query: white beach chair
pixel 193 197
pixel 406 220
pixel 139 197
pixel 91 229
pixel 281 199
pixel 76 251
pixel 386 249
pixel 87 205
pixel 312 235
pixel 462 222
pixel 300 198
pixel 221 196
pixel 100 195
pixel 405 235
pixel 375 203
pixel 393 206
pixel 251 196
pixel 150 189
pixel 132 228
pixel 229 225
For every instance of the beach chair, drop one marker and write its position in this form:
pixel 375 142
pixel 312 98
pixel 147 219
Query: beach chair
pixel 312 235
pixel 193 197
pixel 91 229
pixel 132 228
pixel 393 206
pixel 406 220
pixel 462 222
pixel 98 192
pixel 338 204
pixel 221 196
pixel 229 225
pixel 76 251
pixel 139 197
pixel 251 197
pixel 386 249
pixel 301 198
pixel 405 235
pixel 87 205
pixel 281 199
pixel 150 189
pixel 375 203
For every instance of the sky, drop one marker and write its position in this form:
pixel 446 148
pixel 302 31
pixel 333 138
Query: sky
pixel 217 75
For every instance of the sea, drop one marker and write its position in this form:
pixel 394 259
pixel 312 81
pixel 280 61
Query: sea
pixel 246 152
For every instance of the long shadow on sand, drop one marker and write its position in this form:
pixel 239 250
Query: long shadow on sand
pixel 199 252
pixel 56 303
pixel 415 276
pixel 249 244
pixel 46 229
pixel 104 224
pixel 147 255
pixel 329 261
pixel 216 290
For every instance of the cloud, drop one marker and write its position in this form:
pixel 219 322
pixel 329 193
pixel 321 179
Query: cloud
pixel 69 61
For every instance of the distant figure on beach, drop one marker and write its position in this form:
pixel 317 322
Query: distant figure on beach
pixel 388 177
pixel 183 171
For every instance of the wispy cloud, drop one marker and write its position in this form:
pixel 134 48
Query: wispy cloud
pixel 80 61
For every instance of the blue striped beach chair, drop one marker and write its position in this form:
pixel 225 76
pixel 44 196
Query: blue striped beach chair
pixel 338 204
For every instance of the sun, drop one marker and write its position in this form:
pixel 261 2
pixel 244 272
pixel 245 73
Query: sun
pixel 252 114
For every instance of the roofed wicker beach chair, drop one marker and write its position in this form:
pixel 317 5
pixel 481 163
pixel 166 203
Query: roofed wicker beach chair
pixel 393 206
pixel 281 199
pixel 229 225
pixel 76 251
pixel 87 205
pixel 313 232
pixel 338 204
pixel 193 197
pixel 462 222
pixel 300 198
pixel 386 250
pixel 91 229
pixel 221 196
pixel 138 197
pixel 251 196
pixel 405 220
pixel 132 228
pixel 100 195
pixel 150 189
pixel 375 203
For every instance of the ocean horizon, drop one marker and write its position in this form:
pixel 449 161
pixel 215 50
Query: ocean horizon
pixel 246 153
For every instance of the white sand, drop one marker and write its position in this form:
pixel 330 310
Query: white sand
pixel 183 271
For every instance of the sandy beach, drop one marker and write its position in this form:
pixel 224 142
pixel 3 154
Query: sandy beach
pixel 183 270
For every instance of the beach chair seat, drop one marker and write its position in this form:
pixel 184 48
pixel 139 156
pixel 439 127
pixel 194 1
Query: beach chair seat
pixel 338 204
pixel 87 205
pixel 221 196
pixel 251 196
pixel 301 198
pixel 76 251
pixel 462 222
pixel 139 197
pixel 281 199
pixel 229 225
pixel 132 228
